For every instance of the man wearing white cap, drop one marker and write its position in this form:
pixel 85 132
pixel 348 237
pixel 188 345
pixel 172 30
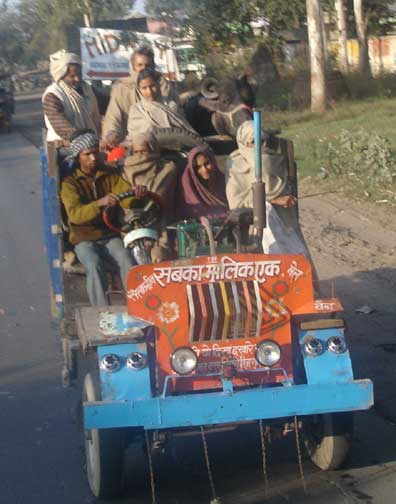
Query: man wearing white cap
pixel 69 103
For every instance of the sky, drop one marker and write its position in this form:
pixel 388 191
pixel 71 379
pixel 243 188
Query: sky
pixel 139 6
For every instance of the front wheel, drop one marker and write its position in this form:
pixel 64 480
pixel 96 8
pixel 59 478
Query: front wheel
pixel 328 439
pixel 104 451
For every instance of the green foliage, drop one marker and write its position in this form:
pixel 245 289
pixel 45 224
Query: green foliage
pixel 362 156
pixel 222 26
pixel 35 28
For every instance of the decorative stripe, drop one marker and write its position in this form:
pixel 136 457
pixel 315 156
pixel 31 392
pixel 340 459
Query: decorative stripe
pixel 227 312
pixel 204 320
pixel 192 312
pixel 249 309
pixel 259 307
pixel 215 312
pixel 237 309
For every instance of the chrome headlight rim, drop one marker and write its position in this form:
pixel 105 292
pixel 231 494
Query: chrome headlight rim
pixel 275 345
pixel 313 347
pixel 136 361
pixel 110 363
pixel 339 347
pixel 174 355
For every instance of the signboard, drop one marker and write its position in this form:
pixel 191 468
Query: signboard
pixel 104 56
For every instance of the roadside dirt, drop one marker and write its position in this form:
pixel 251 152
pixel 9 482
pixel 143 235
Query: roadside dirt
pixel 354 249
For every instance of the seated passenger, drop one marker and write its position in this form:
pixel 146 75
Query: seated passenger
pixel 69 103
pixel 202 187
pixel 149 111
pixel 144 170
pixel 84 194
pixel 282 234
pixel 124 95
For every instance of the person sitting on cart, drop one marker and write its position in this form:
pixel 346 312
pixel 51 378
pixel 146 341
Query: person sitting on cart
pixel 69 103
pixel 84 194
pixel 283 233
pixel 201 190
pixel 144 168
pixel 124 95
pixel 150 111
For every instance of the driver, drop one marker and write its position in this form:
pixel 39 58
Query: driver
pixel 84 194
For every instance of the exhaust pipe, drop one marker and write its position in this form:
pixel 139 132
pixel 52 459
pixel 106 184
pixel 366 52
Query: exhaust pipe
pixel 258 186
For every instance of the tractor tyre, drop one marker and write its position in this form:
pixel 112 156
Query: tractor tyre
pixel 177 139
pixel 328 439
pixel 104 450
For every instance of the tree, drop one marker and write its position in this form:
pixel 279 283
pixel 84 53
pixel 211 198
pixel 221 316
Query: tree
pixel 361 21
pixel 342 36
pixel 317 57
pixel 11 41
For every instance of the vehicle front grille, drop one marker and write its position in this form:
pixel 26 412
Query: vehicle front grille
pixel 232 310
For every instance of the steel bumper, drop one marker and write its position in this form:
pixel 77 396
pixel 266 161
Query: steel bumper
pixel 230 406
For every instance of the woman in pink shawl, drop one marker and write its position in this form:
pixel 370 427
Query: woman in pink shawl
pixel 202 188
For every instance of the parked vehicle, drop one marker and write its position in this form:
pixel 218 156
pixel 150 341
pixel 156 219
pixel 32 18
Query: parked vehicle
pixel 222 335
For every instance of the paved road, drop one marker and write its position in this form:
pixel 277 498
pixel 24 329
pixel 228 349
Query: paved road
pixel 40 456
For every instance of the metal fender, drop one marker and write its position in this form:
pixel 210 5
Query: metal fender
pixel 327 366
pixel 124 381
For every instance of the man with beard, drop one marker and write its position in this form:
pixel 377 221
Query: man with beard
pixel 69 103
pixel 125 94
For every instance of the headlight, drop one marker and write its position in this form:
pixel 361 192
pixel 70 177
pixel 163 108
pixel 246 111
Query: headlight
pixel 110 363
pixel 136 361
pixel 183 360
pixel 336 344
pixel 313 346
pixel 268 353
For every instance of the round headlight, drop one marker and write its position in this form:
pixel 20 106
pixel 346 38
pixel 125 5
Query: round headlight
pixel 268 353
pixel 136 361
pixel 336 344
pixel 313 346
pixel 183 360
pixel 110 363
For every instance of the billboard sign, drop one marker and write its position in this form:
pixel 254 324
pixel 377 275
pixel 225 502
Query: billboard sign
pixel 105 55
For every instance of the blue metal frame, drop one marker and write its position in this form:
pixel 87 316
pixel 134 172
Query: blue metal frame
pixel 224 407
pixel 52 238
pixel 127 400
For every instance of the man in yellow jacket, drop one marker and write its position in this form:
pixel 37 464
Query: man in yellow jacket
pixel 84 194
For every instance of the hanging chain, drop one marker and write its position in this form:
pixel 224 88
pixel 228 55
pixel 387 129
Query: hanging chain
pixel 300 464
pixel 215 499
pixel 264 456
pixel 150 460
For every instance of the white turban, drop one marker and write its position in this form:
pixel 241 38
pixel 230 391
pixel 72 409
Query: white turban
pixel 59 63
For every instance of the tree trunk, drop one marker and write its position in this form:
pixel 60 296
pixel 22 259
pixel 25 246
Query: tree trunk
pixel 317 58
pixel 89 14
pixel 342 36
pixel 361 29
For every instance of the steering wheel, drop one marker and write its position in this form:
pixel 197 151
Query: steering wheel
pixel 110 213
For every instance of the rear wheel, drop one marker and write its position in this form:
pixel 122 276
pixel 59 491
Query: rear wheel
pixel 104 451
pixel 328 439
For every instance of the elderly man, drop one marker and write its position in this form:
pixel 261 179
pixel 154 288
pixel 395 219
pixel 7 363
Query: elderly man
pixel 125 94
pixel 69 103
pixel 84 194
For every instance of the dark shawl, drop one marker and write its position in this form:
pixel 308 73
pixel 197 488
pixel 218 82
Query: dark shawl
pixel 196 200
